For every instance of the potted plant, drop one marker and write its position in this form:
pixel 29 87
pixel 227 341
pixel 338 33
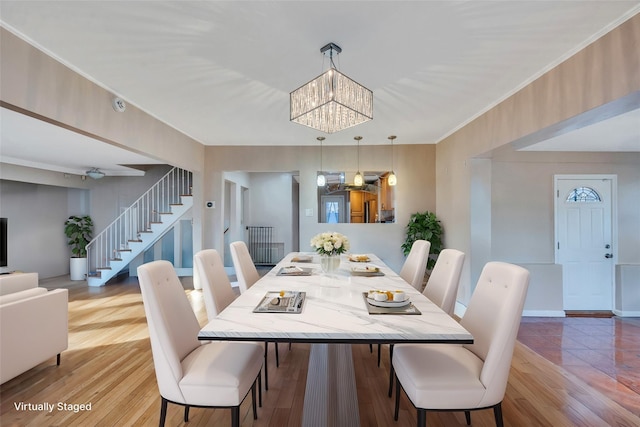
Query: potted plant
pixel 424 226
pixel 78 230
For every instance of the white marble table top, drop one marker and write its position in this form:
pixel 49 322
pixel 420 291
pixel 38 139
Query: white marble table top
pixel 334 311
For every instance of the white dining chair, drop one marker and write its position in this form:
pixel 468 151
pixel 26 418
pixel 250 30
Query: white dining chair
pixel 472 376
pixel 216 287
pixel 247 275
pixel 413 271
pixel 442 286
pixel 415 265
pixel 189 373
pixel 217 291
pixel 441 289
pixel 243 264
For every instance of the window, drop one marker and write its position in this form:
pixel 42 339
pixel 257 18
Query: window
pixel 583 195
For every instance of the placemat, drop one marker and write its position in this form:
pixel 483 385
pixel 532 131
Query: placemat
pixel 407 309
pixel 281 302
pixel 292 270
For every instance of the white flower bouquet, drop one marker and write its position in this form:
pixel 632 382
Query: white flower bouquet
pixel 330 243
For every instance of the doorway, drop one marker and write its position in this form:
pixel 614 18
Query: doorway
pixel 585 224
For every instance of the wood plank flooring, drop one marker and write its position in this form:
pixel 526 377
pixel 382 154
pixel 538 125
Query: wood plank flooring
pixel 109 365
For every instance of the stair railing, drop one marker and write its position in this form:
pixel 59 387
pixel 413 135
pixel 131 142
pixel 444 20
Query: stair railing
pixel 115 239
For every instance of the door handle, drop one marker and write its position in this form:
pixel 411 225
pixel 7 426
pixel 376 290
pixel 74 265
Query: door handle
pixel 608 255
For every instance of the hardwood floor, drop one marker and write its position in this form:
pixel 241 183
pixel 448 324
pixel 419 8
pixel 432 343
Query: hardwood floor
pixel 109 366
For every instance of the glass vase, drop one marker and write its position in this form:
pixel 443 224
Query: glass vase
pixel 329 263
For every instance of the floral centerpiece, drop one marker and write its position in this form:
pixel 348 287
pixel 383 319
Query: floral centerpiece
pixel 330 245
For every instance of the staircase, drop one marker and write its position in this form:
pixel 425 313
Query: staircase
pixel 139 226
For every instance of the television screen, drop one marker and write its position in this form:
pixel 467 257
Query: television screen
pixel 3 242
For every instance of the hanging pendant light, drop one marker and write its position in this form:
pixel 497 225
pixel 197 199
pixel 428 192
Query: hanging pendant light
pixel 392 179
pixel 358 180
pixel 321 180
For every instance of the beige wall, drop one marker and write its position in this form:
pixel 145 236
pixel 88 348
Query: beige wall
pixel 607 70
pixel 415 192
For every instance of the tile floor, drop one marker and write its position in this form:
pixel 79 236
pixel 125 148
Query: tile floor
pixel 603 352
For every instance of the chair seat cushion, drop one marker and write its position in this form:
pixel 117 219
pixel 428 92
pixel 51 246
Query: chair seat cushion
pixel 439 376
pixel 220 373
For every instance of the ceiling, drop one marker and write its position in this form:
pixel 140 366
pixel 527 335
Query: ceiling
pixel 221 71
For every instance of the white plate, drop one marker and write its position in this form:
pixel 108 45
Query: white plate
pixel 389 303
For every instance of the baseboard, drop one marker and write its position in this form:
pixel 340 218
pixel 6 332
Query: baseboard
pixel 626 313
pixel 543 313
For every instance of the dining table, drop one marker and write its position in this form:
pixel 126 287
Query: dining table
pixel 298 302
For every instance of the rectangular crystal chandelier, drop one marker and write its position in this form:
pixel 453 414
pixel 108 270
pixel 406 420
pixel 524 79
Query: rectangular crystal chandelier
pixel 332 101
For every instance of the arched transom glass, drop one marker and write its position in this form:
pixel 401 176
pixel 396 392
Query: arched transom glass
pixel 582 195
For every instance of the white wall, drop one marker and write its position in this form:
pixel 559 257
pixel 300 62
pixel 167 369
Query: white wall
pixel 36 215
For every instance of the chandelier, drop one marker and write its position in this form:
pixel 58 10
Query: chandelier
pixel 332 101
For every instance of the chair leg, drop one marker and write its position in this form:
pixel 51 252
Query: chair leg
pixel 391 371
pixel 497 412
pixel 379 350
pixel 266 369
pixel 467 416
pixel 163 411
pixel 58 359
pixel 235 416
pixel 397 408
pixel 253 400
pixel 370 348
pixel 186 413
pixel 422 418
pixel 289 346
pixel 277 355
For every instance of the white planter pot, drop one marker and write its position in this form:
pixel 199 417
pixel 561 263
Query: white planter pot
pixel 78 268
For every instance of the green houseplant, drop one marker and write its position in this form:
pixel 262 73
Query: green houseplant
pixel 424 226
pixel 79 230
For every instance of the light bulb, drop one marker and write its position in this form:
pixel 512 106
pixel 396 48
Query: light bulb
pixel 321 181
pixel 391 179
pixel 357 180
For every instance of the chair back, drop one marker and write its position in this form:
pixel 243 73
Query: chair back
pixel 442 287
pixel 493 318
pixel 416 264
pixel 173 326
pixel 216 288
pixel 243 264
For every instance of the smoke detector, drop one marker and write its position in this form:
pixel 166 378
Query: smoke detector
pixel 119 104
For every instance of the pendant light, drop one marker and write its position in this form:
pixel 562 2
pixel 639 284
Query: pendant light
pixel 358 180
pixel 321 180
pixel 392 179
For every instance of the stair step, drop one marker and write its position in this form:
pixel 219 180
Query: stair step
pixel 145 231
pixel 165 213
pixel 176 204
pixel 155 222
pixel 103 268
pixel 115 259
pixel 124 250
pixel 134 241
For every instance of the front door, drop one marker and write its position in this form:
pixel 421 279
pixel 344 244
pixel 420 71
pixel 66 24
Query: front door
pixel 584 244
